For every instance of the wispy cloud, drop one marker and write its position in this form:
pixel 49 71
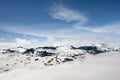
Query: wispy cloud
pixel 107 28
pixel 61 12
pixel 114 28
pixel 78 29
pixel 53 33
pixel 83 42
pixel 19 42
pixel 80 20
pixel 28 43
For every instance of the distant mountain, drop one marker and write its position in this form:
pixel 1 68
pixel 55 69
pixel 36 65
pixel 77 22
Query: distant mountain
pixel 46 56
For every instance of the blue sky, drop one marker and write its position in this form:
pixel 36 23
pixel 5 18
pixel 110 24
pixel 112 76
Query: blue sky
pixel 47 21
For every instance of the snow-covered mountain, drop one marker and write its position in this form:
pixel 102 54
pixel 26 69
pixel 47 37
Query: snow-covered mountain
pixel 41 57
pixel 95 62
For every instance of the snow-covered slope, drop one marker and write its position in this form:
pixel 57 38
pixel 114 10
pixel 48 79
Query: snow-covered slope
pixel 98 67
pixel 14 61
pixel 41 57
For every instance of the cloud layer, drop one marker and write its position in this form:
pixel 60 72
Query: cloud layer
pixel 18 42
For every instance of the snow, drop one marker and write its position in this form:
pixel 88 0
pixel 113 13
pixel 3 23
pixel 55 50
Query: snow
pixel 65 64
pixel 98 67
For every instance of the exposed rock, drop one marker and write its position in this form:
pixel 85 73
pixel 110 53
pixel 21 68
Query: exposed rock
pixel 44 53
pixel 52 48
pixel 29 51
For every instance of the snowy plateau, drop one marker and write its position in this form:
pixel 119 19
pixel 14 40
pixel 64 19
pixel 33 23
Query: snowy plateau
pixel 89 62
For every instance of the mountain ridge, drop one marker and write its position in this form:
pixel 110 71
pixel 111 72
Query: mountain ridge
pixel 48 55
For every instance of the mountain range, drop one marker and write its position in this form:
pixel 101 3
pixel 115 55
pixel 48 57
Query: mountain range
pixel 42 57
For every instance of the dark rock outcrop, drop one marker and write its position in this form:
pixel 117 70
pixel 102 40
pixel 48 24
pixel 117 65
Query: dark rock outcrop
pixel 29 51
pixel 89 49
pixel 52 48
pixel 44 53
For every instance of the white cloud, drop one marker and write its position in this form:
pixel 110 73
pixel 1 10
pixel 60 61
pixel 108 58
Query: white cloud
pixel 107 28
pixel 77 42
pixel 80 20
pixel 114 28
pixel 31 43
pixel 19 42
pixel 77 30
pixel 54 33
pixel 50 39
pixel 110 41
pixel 68 15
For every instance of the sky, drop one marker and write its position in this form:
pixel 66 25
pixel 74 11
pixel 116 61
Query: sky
pixel 43 22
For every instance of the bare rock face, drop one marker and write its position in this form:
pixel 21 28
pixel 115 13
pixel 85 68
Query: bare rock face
pixel 90 49
pixel 44 53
